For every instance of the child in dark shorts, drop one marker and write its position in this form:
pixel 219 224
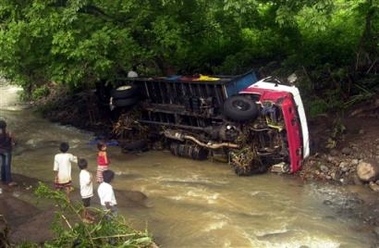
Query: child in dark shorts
pixel 86 189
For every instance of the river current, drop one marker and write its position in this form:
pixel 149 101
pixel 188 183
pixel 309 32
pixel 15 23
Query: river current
pixel 187 203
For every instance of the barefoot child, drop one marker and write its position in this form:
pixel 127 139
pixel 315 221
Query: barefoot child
pixel 102 161
pixel 86 189
pixel 62 168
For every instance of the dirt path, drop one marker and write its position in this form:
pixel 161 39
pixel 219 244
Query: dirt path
pixel 27 220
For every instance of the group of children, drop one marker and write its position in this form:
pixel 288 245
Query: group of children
pixel 104 176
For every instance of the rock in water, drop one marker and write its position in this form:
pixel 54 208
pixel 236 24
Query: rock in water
pixel 367 171
pixel 374 186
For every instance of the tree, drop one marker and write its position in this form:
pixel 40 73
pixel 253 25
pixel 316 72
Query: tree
pixel 80 42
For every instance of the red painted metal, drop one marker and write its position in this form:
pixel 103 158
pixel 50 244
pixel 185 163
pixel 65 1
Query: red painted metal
pixel 292 122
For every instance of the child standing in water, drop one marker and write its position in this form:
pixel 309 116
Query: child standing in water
pixel 62 168
pixel 86 189
pixel 102 161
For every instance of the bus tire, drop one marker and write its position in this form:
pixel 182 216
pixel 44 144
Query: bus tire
pixel 240 108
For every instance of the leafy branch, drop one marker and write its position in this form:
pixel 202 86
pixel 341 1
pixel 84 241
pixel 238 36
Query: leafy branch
pixel 105 231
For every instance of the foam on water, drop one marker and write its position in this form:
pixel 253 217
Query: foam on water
pixel 215 225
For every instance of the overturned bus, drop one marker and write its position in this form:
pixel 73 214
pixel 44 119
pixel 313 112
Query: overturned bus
pixel 254 125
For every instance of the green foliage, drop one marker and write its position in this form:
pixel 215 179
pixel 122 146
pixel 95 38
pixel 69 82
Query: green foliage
pixel 28 245
pixel 78 43
pixel 43 91
pixel 337 133
pixel 72 231
pixel 363 95
pixel 317 107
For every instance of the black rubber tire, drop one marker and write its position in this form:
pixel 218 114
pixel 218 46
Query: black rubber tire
pixel 240 108
pixel 126 102
pixel 126 91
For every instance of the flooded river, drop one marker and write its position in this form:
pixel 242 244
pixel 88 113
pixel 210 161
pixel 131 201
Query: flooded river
pixel 187 203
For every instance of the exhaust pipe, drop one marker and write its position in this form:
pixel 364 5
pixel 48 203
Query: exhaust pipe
pixel 171 134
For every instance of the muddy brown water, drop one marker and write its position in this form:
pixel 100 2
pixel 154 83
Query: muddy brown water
pixel 187 203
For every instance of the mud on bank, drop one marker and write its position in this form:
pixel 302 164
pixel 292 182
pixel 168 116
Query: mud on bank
pixel 22 216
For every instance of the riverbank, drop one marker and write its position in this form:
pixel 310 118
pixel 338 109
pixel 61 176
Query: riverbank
pixel 23 217
pixel 27 218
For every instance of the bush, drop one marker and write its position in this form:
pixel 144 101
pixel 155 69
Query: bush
pixel 72 231
pixel 40 92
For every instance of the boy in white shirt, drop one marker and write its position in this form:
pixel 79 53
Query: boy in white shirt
pixel 86 189
pixel 106 193
pixel 62 168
